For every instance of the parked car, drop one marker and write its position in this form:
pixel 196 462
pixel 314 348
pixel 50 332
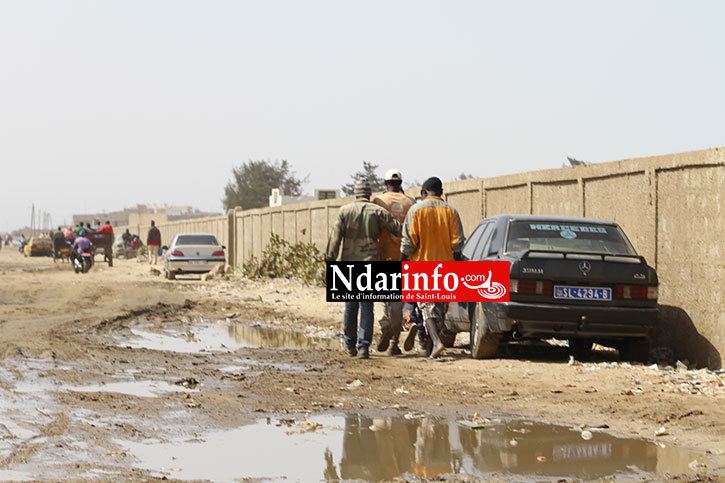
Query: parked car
pixel 193 253
pixel 571 278
pixel 39 246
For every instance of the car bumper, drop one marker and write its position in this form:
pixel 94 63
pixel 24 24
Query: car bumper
pixel 575 321
pixel 44 252
pixel 194 265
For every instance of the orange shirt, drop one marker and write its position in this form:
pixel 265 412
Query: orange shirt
pixel 398 205
pixel 432 231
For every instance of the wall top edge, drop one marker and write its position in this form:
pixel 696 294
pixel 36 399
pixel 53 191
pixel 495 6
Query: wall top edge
pixel 704 157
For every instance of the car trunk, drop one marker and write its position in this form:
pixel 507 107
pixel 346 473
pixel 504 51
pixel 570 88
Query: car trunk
pixel 627 277
pixel 197 252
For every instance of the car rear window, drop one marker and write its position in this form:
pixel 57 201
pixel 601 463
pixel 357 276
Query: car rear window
pixel 570 237
pixel 197 240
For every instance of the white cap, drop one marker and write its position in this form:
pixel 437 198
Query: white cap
pixel 392 175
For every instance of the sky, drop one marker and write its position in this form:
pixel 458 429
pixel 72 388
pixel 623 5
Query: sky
pixel 104 105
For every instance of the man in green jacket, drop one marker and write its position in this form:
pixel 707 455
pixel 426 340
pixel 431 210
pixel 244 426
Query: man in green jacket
pixel 357 229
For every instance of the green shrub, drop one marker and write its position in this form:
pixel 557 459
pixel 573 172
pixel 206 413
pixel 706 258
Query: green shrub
pixel 283 259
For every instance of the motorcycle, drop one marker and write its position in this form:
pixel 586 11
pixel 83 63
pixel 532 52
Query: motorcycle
pixel 82 262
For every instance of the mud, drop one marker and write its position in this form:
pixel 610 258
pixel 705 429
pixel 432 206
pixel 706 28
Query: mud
pixel 92 373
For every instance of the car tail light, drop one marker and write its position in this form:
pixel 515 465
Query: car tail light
pixel 177 253
pixel 635 292
pixel 218 253
pixel 533 287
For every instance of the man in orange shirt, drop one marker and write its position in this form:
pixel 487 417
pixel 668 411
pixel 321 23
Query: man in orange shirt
pixel 432 232
pixel 397 203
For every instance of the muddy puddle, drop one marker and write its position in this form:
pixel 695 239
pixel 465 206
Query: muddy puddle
pixel 134 388
pixel 225 336
pixel 360 447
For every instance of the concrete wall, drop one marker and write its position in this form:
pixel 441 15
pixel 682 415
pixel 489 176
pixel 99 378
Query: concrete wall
pixel 670 206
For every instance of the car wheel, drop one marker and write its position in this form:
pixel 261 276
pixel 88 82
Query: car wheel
pixel 581 349
pixel 484 342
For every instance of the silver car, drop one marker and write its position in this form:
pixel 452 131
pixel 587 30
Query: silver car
pixel 193 253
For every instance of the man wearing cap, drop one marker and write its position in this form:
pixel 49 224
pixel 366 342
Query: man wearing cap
pixel 397 203
pixel 432 232
pixel 357 228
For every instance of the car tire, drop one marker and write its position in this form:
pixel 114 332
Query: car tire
pixel 581 349
pixel 484 342
pixel 170 275
pixel 448 338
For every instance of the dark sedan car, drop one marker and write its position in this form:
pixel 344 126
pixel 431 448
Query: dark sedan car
pixel 571 278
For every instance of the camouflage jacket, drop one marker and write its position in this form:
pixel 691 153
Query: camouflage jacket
pixel 357 228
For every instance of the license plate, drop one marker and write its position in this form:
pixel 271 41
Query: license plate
pixel 582 293
pixel 86 254
pixel 591 451
pixel 197 262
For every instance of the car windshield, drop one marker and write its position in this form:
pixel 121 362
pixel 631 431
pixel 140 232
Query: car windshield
pixel 568 237
pixel 196 240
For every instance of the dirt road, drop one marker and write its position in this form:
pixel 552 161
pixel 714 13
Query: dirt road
pixel 101 373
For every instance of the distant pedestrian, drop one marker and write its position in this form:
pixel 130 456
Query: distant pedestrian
pixel 68 233
pixel 127 237
pixel 107 228
pixel 357 229
pixel 153 240
pixel 432 232
pixel 397 203
pixel 58 242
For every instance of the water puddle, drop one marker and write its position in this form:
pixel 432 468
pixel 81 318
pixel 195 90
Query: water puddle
pixel 14 475
pixel 359 447
pixel 274 338
pixel 206 339
pixel 134 388
pixel 224 336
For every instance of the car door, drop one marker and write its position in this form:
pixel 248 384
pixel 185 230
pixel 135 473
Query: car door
pixel 457 317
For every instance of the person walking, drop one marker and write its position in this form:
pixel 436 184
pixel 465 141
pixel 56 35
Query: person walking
pixel 357 229
pixel 432 232
pixel 58 242
pixel 153 240
pixel 397 203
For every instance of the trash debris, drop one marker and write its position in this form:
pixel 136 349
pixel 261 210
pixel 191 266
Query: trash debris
pixel 513 442
pixel 410 416
pixel 696 465
pixel 541 459
pixel 469 424
pixel 586 435
pixel 680 366
pixel 661 432
pixel 305 427
pixel 154 271
pixel 401 390
pixel 234 376
pixel 188 382
pixel 355 384
pixel 574 362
